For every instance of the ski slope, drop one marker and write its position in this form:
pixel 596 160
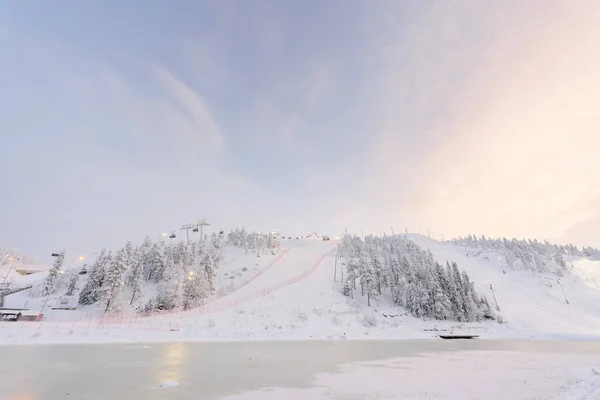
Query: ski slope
pixel 294 296
pixel 530 303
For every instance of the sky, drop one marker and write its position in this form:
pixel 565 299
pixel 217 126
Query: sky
pixel 125 119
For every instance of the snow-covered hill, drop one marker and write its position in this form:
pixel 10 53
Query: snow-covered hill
pixel 531 301
pixel 294 296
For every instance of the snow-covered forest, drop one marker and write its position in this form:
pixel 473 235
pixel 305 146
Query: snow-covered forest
pixel 529 255
pixel 257 242
pixel 412 276
pixel 177 275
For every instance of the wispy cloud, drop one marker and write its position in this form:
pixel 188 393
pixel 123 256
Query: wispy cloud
pixel 193 119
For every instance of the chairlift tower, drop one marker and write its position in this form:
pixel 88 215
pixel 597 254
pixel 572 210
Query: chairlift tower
pixel 186 228
pixel 202 223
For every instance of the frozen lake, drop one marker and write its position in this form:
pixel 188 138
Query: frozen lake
pixel 216 370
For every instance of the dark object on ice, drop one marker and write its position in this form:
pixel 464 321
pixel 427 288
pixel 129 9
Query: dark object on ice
pixel 451 336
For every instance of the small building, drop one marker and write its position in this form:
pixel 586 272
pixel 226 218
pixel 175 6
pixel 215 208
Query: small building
pixel 66 303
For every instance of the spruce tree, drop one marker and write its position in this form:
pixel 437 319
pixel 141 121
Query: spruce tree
pixel 171 289
pixel 50 282
pixel 91 290
pixel 136 276
pixel 114 281
pixel 72 285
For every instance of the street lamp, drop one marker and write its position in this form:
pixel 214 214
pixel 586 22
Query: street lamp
pixel 12 259
pixel 563 290
pixel 493 294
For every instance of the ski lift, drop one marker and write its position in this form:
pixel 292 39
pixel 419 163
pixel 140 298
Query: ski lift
pixel 83 270
pixel 195 229
pixel 221 233
pixel 172 236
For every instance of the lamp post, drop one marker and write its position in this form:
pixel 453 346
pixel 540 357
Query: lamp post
pixel 12 259
pixel 563 290
pixel 337 250
pixel 494 295
pixel 189 289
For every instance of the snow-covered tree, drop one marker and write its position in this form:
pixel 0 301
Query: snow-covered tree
pixel 184 274
pixel 530 255
pixel 416 281
pixel 91 291
pixel 114 281
pixel 158 263
pixel 136 277
pixel 72 285
pixel 50 282
pixel 171 289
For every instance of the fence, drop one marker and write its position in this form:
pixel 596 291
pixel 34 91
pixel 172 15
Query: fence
pixel 223 304
pixel 118 318
pixel 168 321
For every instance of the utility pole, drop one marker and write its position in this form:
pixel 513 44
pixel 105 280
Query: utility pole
pixel 493 294
pixel 335 267
pixel 563 290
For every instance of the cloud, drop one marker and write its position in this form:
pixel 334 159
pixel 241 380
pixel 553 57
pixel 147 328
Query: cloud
pixel 490 123
pixel 102 159
pixel 458 116
pixel 193 119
